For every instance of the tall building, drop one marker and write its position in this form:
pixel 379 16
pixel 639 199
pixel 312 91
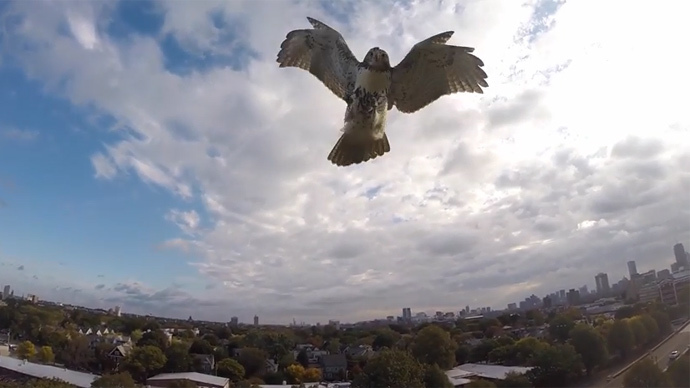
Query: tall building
pixel 632 268
pixel 406 314
pixel 118 311
pixel 681 256
pixel 256 320
pixel 602 281
pixel 6 292
pixel 234 321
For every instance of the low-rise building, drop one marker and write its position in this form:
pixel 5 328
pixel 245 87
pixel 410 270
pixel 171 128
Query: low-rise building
pixel 200 379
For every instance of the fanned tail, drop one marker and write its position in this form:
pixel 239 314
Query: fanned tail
pixel 353 149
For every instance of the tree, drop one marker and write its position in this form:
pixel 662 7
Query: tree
pixel 639 330
pixel 253 360
pixel 503 355
pixel 621 338
pixel 295 373
pixel 117 380
pixel 141 362
pixel 231 369
pixel 211 339
pixel 663 322
pixel 45 354
pixel 433 345
pixel 515 380
pixel 645 374
pixel 679 371
pixel 200 346
pixel 286 361
pixel 178 358
pixel 77 354
pixel 26 350
pixel 559 327
pixel 435 377
pixel 102 357
pixel 136 335
pixel 590 345
pixel 311 375
pixel 303 358
pixel 651 325
pixel 154 338
pixel 534 317
pixel 391 368
pixel 274 378
pixel 481 352
pixel 462 354
pixel 555 366
pixel 626 312
pixel 332 347
pixel 480 383
pixel 385 338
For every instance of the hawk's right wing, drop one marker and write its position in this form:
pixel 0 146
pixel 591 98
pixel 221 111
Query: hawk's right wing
pixel 323 52
pixel 433 69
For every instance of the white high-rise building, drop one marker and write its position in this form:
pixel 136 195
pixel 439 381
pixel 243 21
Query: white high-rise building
pixel 6 292
pixel 118 311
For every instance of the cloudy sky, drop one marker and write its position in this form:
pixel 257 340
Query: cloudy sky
pixel 154 156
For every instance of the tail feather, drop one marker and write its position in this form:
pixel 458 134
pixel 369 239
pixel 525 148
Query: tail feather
pixel 351 149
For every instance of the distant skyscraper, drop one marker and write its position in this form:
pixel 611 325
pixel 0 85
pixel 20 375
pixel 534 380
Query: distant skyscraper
pixel 118 311
pixel 407 314
pixel 234 321
pixel 602 281
pixel 632 268
pixel 6 292
pixel 256 320
pixel 679 253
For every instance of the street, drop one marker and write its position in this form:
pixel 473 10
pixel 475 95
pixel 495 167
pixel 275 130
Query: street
pixel 678 342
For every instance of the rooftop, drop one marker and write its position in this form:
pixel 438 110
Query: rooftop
pixel 191 376
pixel 80 379
pixel 496 372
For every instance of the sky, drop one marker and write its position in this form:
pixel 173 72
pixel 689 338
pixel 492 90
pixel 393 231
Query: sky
pixel 154 156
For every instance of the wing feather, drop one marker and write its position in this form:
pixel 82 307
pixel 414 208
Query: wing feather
pixel 433 69
pixel 324 53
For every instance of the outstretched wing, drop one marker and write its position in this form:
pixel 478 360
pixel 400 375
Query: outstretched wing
pixel 433 69
pixel 323 52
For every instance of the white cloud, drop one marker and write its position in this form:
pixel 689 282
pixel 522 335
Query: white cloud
pixel 434 222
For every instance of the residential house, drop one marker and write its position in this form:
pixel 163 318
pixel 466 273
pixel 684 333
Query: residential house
pixel 271 366
pixel 359 351
pixel 119 352
pixel 204 363
pixel 334 367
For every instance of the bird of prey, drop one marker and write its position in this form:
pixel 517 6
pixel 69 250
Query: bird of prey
pixel 372 87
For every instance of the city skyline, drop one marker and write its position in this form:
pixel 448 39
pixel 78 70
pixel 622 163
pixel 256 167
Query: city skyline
pixel 154 156
pixel 408 312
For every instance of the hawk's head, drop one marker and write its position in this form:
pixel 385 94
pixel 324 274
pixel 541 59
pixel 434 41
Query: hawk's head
pixel 377 59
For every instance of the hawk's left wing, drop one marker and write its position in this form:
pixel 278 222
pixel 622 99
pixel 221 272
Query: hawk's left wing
pixel 433 69
pixel 323 52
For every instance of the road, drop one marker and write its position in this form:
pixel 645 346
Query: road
pixel 679 342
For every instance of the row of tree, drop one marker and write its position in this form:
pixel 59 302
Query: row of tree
pixel 646 373
pixel 562 355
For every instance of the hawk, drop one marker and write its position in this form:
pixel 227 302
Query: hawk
pixel 372 87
